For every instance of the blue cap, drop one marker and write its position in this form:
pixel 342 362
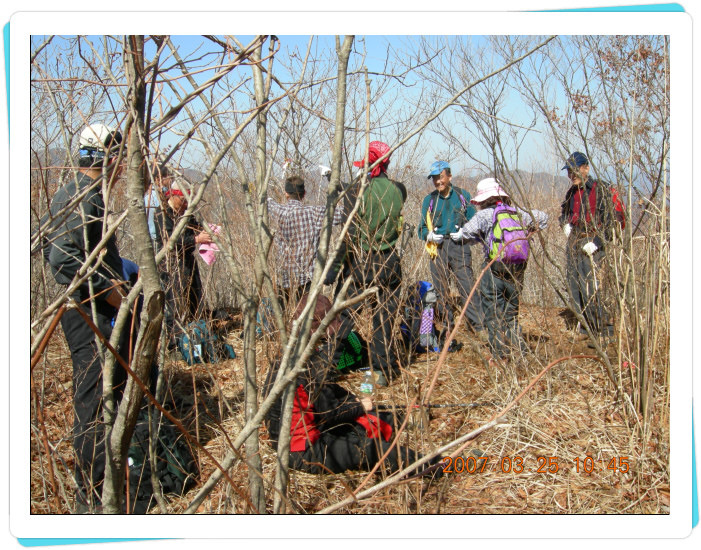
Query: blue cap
pixel 575 160
pixel 438 167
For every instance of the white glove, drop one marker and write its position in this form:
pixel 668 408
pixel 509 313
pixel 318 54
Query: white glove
pixel 325 171
pixel 590 248
pixel 435 238
pixel 458 235
pixel 567 229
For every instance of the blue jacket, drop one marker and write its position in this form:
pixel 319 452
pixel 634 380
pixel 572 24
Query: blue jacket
pixel 446 213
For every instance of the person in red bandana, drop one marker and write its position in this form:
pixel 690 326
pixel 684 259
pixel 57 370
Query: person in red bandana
pixel 332 430
pixel 372 260
pixel 588 215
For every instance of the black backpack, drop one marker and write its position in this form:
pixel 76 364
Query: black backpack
pixel 176 467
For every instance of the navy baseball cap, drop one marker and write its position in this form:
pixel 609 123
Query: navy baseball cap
pixel 575 160
pixel 438 167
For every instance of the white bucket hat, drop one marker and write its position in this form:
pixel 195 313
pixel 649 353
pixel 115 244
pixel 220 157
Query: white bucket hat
pixel 488 188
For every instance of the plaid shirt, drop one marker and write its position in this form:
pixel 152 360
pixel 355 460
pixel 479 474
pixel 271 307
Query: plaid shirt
pixel 299 229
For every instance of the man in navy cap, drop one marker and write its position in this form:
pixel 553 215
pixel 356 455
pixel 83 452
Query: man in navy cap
pixel 589 213
pixel 443 214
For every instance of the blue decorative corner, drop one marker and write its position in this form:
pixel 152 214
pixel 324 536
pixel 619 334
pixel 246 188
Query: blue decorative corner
pixel 694 483
pixel 641 8
pixel 59 542
pixel 6 35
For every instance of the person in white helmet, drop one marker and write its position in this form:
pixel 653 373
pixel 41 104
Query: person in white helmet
pixel 71 238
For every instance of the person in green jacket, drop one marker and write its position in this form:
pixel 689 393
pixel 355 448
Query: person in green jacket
pixel 446 210
pixel 375 262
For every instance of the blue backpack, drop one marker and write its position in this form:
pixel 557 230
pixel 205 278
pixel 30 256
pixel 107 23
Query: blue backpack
pixel 419 330
pixel 200 345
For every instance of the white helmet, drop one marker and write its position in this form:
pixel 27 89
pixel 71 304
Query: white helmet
pixel 100 138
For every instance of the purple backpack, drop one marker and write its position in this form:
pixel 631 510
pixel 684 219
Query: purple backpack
pixel 508 240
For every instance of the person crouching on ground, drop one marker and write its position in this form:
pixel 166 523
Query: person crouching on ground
pixel 502 230
pixel 332 430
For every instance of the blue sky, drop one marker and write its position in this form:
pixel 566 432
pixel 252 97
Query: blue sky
pixel 402 102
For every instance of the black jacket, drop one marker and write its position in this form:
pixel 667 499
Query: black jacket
pixel 331 405
pixel 601 220
pixel 65 247
pixel 181 263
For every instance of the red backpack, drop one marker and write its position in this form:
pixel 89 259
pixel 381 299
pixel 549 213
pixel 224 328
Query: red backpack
pixel 618 207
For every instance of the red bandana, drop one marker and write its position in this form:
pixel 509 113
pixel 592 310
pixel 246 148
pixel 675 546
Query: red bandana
pixel 376 150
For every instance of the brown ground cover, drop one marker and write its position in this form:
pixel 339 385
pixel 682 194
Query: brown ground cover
pixel 568 446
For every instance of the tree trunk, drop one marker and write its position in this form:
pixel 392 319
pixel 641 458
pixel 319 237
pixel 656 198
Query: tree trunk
pixel 283 449
pixel 119 436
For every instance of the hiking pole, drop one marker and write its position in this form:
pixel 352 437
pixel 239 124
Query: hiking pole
pixel 384 407
pixel 407 231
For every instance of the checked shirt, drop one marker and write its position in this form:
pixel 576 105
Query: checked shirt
pixel 299 229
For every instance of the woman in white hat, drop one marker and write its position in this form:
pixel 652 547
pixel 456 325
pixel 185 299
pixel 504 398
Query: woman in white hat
pixel 503 231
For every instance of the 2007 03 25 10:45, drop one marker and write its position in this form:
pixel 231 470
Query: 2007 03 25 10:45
pixel 545 464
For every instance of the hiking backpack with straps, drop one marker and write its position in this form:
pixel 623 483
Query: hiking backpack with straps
pixel 508 239
pixel 618 208
pixel 434 195
pixel 418 329
pixel 176 467
pixel 199 344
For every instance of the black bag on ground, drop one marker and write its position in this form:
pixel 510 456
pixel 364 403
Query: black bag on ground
pixel 201 344
pixel 176 468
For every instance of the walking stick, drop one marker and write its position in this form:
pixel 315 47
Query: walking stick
pixel 385 407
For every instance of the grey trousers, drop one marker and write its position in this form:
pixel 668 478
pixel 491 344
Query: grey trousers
pixel 501 290
pixel 456 259
pixel 584 288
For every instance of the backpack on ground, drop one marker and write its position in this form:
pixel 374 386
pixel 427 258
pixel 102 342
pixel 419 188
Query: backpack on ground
pixel 264 317
pixel 198 344
pixel 508 240
pixel 419 330
pixel 176 468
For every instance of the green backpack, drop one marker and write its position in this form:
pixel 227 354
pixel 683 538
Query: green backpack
pixel 176 467
pixel 355 353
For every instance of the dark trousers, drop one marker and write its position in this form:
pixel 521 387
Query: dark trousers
pixel 456 258
pixel 88 431
pixel 501 289
pixel 184 298
pixel 582 272
pixel 381 269
pixel 349 448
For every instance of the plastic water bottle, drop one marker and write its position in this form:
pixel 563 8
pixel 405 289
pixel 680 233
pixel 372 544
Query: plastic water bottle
pixel 367 386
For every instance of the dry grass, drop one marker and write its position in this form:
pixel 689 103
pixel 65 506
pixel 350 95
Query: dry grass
pixel 570 414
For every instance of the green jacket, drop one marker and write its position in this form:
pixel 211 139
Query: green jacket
pixel 446 212
pixel 380 215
